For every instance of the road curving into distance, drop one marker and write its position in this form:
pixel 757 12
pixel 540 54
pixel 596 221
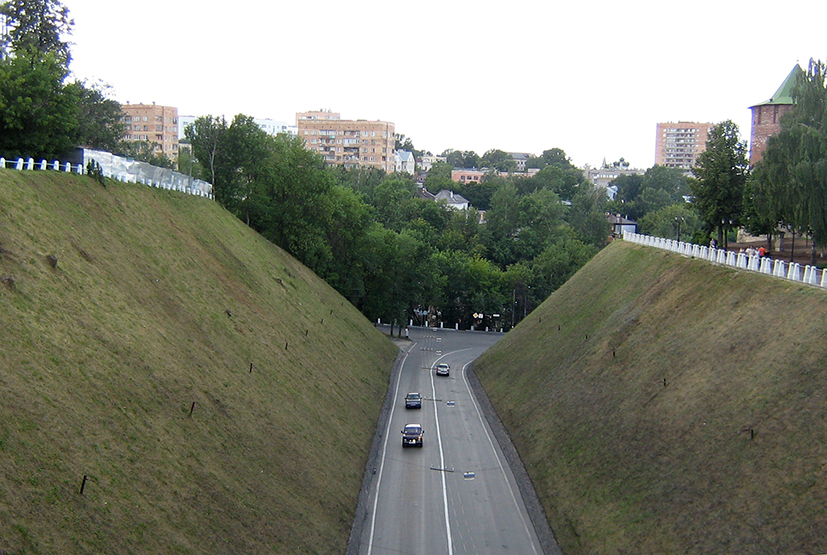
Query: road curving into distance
pixel 457 494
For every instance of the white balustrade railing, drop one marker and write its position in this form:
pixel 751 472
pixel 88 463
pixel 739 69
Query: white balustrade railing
pixel 810 275
pixel 121 169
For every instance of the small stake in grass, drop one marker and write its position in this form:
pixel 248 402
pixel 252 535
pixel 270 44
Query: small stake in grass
pixel 192 408
pixel 664 382
pixel 287 344
pixel 306 332
pixel 83 484
pixel 251 368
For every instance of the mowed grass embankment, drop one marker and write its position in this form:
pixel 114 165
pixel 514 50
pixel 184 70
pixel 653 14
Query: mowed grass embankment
pixel 217 395
pixel 663 404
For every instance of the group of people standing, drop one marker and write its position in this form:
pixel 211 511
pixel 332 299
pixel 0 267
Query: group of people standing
pixel 749 251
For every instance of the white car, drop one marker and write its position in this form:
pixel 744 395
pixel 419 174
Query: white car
pixel 443 369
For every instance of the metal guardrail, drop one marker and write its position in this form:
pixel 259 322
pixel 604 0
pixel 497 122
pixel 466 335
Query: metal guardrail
pixel 792 271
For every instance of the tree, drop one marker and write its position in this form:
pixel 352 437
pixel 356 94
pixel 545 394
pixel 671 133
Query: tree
pixel 100 123
pixel 37 117
pixel 675 221
pixel 205 134
pixel 720 177
pixel 552 157
pixel 587 215
pixel 464 159
pixel 35 29
pixel 791 179
pixel 499 160
pixel 40 115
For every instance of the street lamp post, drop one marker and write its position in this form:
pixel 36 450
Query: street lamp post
pixel 678 220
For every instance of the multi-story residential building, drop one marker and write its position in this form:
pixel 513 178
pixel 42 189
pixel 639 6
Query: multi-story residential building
pixel 154 124
pixel 349 143
pixel 766 116
pixel 679 144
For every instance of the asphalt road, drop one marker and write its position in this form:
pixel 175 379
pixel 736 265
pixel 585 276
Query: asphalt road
pixel 456 494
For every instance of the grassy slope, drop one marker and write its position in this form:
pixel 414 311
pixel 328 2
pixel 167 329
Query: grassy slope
pixel 627 463
pixel 103 356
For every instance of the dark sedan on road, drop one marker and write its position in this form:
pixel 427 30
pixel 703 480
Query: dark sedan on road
pixel 413 401
pixel 412 435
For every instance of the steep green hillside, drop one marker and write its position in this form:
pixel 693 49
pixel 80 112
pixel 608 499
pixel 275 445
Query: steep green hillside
pixel 218 396
pixel 666 405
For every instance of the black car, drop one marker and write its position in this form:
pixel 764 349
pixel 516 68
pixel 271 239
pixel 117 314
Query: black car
pixel 412 435
pixel 413 401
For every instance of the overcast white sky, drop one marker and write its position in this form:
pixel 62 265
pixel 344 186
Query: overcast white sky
pixel 592 77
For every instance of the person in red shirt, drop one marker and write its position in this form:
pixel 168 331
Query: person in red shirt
pixel 762 251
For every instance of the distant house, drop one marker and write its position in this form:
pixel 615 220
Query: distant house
pixel 453 200
pixel 620 224
pixel 404 162
pixel 428 160
pixel 607 173
pixel 465 176
pixel 520 158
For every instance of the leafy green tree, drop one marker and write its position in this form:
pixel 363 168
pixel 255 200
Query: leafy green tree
pixel 628 187
pixel 791 179
pixel 756 221
pixel 36 29
pixel 587 214
pixel 499 160
pixel 362 180
pixel 37 117
pixel 439 177
pixel 462 159
pixel 206 134
pixel 100 123
pixel 391 201
pixel 479 193
pixel 720 177
pixel 553 157
pixel 187 164
pixel 674 221
pixel 563 181
pixel 558 262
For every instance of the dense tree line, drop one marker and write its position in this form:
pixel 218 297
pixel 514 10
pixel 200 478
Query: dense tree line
pixel 391 252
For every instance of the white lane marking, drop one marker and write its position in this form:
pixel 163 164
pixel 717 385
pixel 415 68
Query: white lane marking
pixel 385 450
pixel 499 462
pixel 449 538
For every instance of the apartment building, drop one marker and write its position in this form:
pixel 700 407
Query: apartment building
pixel 349 143
pixel 766 116
pixel 679 144
pixel 152 123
